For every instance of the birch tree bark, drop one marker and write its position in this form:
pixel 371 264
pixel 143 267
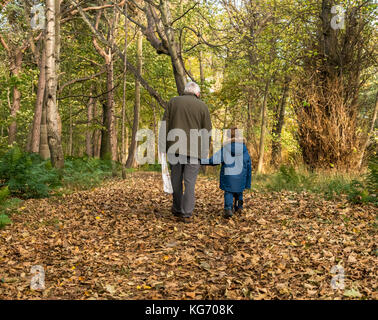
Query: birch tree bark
pixel 52 117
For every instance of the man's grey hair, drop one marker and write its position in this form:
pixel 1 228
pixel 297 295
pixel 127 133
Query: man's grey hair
pixel 192 87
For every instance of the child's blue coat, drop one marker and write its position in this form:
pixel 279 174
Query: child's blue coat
pixel 235 175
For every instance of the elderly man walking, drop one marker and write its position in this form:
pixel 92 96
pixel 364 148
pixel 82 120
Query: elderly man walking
pixel 186 139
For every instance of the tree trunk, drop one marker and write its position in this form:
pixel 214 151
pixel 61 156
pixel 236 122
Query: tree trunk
pixel 57 58
pixel 89 143
pixel 155 125
pixel 371 130
pixel 53 132
pixel 96 135
pixel 178 72
pixel 36 129
pixel 260 164
pixel 105 144
pixel 16 68
pixel 127 142
pixel 123 141
pixel 277 128
pixel 167 44
pixel 70 141
pixel 98 35
pixel 202 73
pixel 326 96
pixel 133 145
pixel 111 112
pixel 109 136
pixel 202 79
pixel 44 150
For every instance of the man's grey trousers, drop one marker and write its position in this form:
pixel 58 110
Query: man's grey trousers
pixel 184 200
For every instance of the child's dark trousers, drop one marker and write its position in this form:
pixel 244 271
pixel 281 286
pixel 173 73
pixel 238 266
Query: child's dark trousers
pixel 233 200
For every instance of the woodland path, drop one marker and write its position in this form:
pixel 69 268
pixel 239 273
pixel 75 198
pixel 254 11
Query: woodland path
pixel 120 241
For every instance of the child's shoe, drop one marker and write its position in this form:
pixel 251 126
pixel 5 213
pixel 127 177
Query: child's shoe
pixel 239 207
pixel 227 213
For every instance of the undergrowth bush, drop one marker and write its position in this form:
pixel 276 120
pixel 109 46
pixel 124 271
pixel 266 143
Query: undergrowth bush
pixel 151 167
pixel 86 172
pixel 26 174
pixel 358 190
pixel 4 219
pixel 367 189
pixel 288 178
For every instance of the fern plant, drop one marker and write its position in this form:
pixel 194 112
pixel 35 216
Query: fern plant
pixel 26 174
pixel 4 219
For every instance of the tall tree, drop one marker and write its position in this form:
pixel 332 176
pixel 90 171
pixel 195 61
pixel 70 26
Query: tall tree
pixel 100 37
pixel 123 115
pixel 40 56
pixel 89 137
pixel 278 125
pixel 133 144
pixel 53 132
pixel 327 91
pixel 260 163
pixel 161 34
pixel 109 134
pixel 15 53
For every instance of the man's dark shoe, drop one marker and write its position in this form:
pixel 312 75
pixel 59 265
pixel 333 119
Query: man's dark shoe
pixel 227 213
pixel 177 214
pixel 184 219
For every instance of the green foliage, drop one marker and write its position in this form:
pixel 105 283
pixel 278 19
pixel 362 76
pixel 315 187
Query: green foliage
pixel 151 167
pixel 336 186
pixel 4 219
pixel 358 193
pixel 372 176
pixel 86 172
pixel 366 190
pixel 358 190
pixel 4 193
pixel 26 174
pixel 289 179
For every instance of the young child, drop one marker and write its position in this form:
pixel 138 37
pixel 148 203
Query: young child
pixel 235 174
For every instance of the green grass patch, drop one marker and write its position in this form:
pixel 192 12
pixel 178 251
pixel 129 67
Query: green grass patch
pixel 358 188
pixel 156 167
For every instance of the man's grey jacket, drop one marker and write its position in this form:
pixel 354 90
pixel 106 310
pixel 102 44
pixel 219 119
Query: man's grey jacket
pixel 186 112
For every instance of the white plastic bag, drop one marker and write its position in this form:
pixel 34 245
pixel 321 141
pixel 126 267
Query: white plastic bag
pixel 167 184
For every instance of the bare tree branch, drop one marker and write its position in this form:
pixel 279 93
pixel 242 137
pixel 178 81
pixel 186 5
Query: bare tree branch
pixel 80 80
pixel 184 14
pixel 130 67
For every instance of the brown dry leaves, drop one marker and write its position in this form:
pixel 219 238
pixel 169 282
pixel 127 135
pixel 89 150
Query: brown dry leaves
pixel 120 241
